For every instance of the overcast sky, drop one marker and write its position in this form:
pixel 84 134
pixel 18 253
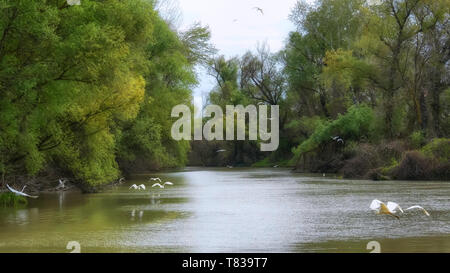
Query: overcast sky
pixel 236 26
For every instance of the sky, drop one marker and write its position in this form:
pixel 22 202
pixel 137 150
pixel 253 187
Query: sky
pixel 236 26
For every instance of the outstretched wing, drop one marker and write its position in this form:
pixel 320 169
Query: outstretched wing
pixel 157 184
pixel 419 207
pixel 142 186
pixel 392 206
pixel 20 193
pixel 375 205
pixel 168 183
pixel 134 186
pixel 31 196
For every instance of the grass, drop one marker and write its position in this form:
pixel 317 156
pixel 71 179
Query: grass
pixel 9 199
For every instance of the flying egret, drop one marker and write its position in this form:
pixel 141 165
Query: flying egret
pixel 155 179
pixel 381 208
pixel 229 167
pixel 121 180
pixel 221 151
pixel 136 187
pixel 259 9
pixel 418 207
pixel 392 208
pixel 20 192
pixel 276 166
pixel 163 185
pixel 62 184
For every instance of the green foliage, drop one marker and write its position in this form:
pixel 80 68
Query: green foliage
pixel 9 199
pixel 438 148
pixel 356 124
pixel 417 139
pixel 83 86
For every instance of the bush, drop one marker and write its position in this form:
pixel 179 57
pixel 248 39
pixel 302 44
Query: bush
pixel 438 148
pixel 417 166
pixel 356 124
pixel 9 199
pixel 417 139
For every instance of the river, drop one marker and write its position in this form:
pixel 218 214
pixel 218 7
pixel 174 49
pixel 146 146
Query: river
pixel 233 210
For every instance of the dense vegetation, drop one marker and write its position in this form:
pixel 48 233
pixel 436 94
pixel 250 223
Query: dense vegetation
pixel 86 90
pixel 374 73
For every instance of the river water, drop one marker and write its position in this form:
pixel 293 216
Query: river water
pixel 233 210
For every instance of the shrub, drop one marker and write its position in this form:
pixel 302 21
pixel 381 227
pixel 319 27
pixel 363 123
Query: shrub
pixel 9 199
pixel 417 166
pixel 356 124
pixel 417 139
pixel 438 148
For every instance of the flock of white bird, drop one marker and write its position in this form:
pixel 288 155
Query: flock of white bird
pixel 391 208
pixel 157 184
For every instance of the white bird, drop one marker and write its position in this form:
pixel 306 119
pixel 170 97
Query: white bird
pixel 229 167
pixel 163 185
pixel 221 151
pixel 418 207
pixel 381 208
pixel 391 208
pixel 121 180
pixel 20 192
pixel 259 9
pixel 62 184
pixel 276 166
pixel 74 2
pixel 155 179
pixel 136 187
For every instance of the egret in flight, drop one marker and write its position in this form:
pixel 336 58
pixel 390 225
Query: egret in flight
pixel 221 151
pixel 136 187
pixel 20 192
pixel 155 179
pixel 391 208
pixel 62 184
pixel 259 10
pixel 163 185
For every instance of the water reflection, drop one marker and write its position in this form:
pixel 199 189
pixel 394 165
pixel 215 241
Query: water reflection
pixel 232 210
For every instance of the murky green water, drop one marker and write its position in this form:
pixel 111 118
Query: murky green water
pixel 233 210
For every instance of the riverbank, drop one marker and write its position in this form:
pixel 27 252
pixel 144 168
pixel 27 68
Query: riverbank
pixel 389 160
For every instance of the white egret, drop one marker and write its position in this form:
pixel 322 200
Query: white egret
pixel 163 185
pixel 381 208
pixel 221 151
pixel 276 166
pixel 229 167
pixel 155 179
pixel 121 180
pixel 62 184
pixel 136 187
pixel 20 192
pixel 391 208
pixel 259 10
